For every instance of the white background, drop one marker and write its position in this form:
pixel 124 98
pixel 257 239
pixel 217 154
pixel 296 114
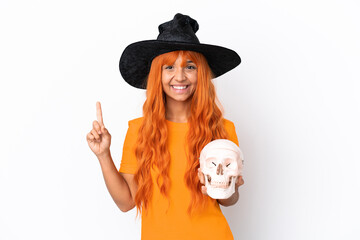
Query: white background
pixel 294 100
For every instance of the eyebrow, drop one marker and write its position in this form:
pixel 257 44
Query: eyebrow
pixel 188 61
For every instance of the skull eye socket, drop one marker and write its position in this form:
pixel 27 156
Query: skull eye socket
pixel 213 163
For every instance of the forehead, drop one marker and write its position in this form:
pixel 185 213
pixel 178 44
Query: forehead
pixel 181 57
pixel 182 60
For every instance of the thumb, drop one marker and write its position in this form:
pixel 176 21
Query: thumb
pixel 204 190
pixel 104 130
pixel 239 181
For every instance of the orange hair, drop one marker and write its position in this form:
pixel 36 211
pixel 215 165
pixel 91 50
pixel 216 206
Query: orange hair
pixel 205 122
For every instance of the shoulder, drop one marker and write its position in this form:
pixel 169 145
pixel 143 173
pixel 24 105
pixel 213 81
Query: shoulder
pixel 134 126
pixel 230 129
pixel 228 124
pixel 136 122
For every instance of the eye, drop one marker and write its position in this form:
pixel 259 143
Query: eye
pixel 191 67
pixel 228 164
pixel 169 67
pixel 213 163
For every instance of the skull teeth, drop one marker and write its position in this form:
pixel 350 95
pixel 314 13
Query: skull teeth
pixel 219 184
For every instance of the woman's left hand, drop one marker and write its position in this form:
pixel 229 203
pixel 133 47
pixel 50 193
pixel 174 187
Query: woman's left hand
pixel 238 183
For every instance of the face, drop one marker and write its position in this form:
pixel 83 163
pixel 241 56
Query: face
pixel 179 82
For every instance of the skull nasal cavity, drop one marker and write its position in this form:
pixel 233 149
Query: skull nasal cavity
pixel 219 170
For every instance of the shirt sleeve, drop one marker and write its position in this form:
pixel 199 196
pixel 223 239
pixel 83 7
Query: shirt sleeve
pixel 128 161
pixel 230 129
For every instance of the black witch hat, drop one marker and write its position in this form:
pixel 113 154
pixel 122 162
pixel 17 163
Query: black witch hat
pixel 177 34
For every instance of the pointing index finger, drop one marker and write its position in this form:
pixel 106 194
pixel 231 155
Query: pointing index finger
pixel 99 113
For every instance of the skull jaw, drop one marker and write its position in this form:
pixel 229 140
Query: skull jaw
pixel 220 193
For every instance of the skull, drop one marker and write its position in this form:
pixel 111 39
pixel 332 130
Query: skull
pixel 221 162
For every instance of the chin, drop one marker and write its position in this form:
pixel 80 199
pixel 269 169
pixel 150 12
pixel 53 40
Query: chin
pixel 179 98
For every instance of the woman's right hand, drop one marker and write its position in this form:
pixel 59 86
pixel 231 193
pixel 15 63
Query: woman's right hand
pixel 99 139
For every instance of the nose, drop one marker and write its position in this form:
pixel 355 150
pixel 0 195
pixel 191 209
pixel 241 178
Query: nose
pixel 219 170
pixel 179 74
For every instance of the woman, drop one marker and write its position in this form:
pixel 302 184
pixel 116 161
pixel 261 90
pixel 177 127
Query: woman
pixel 159 172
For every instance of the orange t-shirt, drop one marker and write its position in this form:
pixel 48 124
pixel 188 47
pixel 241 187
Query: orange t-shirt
pixel 164 221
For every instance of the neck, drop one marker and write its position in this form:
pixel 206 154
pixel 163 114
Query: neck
pixel 177 111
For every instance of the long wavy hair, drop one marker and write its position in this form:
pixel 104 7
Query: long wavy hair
pixel 205 122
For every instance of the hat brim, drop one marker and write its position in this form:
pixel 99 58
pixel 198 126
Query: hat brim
pixel 135 61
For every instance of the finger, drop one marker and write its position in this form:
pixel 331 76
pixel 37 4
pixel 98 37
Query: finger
pixel 239 181
pixel 201 176
pixel 97 126
pixel 90 137
pixel 99 113
pixel 104 130
pixel 95 134
pixel 203 190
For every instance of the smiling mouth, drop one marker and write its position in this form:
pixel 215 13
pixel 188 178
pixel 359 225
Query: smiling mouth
pixel 179 87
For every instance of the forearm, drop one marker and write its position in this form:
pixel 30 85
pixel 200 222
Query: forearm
pixel 116 184
pixel 231 200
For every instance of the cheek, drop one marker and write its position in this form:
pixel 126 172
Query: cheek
pixel 193 79
pixel 164 80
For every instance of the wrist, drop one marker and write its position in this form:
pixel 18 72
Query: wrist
pixel 105 156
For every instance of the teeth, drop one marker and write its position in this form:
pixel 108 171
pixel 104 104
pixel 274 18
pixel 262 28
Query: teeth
pixel 220 184
pixel 179 87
